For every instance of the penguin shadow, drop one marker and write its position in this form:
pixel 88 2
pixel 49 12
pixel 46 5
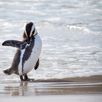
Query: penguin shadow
pixel 22 89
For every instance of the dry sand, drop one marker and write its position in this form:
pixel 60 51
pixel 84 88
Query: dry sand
pixel 58 98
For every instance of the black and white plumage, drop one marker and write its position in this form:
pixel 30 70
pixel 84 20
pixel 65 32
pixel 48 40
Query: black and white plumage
pixel 28 52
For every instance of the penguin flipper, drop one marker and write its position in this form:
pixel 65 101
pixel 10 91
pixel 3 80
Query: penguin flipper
pixel 14 43
pixel 37 65
pixel 8 71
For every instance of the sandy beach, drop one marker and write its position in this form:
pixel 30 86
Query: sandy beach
pixel 79 89
pixel 66 98
pixel 67 86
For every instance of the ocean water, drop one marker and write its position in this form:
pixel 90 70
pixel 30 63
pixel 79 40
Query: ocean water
pixel 71 31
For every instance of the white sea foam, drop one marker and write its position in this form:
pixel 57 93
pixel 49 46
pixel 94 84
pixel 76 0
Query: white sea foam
pixel 79 28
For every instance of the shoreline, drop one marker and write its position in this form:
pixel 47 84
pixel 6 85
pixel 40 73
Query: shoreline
pixel 93 78
pixel 67 86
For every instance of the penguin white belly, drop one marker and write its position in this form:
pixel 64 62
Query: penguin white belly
pixel 31 61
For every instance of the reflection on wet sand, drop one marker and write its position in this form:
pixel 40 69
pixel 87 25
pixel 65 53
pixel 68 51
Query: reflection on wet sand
pixel 18 90
pixel 23 89
pixel 52 87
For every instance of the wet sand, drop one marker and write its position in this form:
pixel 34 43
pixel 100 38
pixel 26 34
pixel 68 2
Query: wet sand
pixel 66 86
pixel 79 89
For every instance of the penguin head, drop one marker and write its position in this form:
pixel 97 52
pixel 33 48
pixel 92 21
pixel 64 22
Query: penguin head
pixel 30 30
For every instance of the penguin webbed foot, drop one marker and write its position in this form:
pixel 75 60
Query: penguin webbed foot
pixel 25 78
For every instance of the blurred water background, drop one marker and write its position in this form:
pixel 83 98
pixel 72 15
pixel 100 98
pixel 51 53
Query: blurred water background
pixel 71 31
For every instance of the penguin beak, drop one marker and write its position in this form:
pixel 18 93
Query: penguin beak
pixel 28 40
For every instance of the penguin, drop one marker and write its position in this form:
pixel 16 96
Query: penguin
pixel 27 55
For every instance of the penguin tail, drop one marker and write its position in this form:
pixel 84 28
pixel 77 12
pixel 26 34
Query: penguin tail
pixel 8 71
